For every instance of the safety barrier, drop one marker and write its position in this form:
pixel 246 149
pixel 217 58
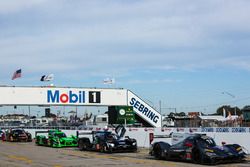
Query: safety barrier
pixel 239 135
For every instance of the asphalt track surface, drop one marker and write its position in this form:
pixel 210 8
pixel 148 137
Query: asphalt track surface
pixel 28 154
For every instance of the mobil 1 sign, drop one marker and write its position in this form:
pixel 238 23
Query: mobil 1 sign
pixel 94 97
pixel 90 97
pixel 73 96
pixel 107 97
pixel 62 96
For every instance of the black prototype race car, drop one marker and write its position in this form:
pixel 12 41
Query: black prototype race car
pixel 198 148
pixel 18 135
pixel 1 134
pixel 108 142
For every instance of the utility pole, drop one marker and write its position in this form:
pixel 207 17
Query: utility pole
pixel 231 95
pixel 160 106
pixel 160 111
pixel 29 111
pixel 76 114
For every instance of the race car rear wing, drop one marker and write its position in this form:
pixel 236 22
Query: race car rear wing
pixel 78 133
pixel 152 136
pixel 41 132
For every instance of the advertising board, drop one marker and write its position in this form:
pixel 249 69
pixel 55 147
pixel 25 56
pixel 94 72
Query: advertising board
pixel 62 96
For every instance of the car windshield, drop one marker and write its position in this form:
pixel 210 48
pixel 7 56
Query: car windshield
pixel 18 131
pixel 105 135
pixel 112 136
pixel 60 135
pixel 206 142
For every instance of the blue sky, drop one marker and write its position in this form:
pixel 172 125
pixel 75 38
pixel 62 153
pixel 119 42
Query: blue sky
pixel 184 53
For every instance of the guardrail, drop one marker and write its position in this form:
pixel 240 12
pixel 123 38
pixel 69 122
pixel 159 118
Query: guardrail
pixel 40 127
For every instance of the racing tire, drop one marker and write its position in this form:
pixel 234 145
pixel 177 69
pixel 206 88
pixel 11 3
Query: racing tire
pixel 52 143
pixel 49 143
pixel 37 140
pixel 106 149
pixel 11 138
pixel 158 151
pixel 135 149
pixel 110 150
pixel 103 148
pixel 197 157
pixel 83 144
pixel 29 139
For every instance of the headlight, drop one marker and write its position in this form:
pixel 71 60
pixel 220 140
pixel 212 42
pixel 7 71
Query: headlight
pixel 239 149
pixel 209 150
pixel 243 150
pixel 112 144
pixel 134 143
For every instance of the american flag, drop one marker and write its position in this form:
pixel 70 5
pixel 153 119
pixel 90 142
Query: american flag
pixel 17 74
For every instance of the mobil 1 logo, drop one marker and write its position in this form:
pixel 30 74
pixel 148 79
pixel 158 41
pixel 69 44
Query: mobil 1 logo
pixel 94 97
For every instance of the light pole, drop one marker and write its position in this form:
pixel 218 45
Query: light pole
pixel 76 114
pixel 231 95
pixel 29 111
pixel 160 112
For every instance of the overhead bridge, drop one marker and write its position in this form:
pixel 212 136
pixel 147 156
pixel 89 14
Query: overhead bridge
pixel 68 96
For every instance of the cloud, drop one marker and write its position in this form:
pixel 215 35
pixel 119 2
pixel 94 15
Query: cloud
pixel 16 6
pixel 105 37
pixel 153 81
pixel 237 62
pixel 164 68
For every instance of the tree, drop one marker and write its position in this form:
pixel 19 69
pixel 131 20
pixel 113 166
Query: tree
pixel 246 107
pixel 181 114
pixel 228 109
pixel 173 114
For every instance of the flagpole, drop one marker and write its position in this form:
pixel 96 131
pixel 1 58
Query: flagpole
pixel 29 111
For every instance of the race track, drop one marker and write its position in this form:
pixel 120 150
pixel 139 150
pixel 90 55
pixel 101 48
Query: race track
pixel 28 154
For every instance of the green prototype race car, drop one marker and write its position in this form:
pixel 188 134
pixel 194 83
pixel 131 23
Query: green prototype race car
pixel 55 138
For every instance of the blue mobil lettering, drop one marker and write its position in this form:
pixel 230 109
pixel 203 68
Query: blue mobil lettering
pixel 70 97
pixel 144 110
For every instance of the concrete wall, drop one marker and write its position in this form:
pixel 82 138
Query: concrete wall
pixel 239 135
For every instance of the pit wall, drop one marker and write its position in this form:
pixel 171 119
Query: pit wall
pixel 239 135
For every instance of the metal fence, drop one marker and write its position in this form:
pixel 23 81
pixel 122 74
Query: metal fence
pixel 40 127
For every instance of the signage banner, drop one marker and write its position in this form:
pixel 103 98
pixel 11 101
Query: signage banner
pixel 144 110
pixel 62 96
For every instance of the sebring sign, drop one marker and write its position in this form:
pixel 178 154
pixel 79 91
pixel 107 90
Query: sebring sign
pixel 144 110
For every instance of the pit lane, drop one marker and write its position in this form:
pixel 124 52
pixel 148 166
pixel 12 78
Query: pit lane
pixel 28 154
